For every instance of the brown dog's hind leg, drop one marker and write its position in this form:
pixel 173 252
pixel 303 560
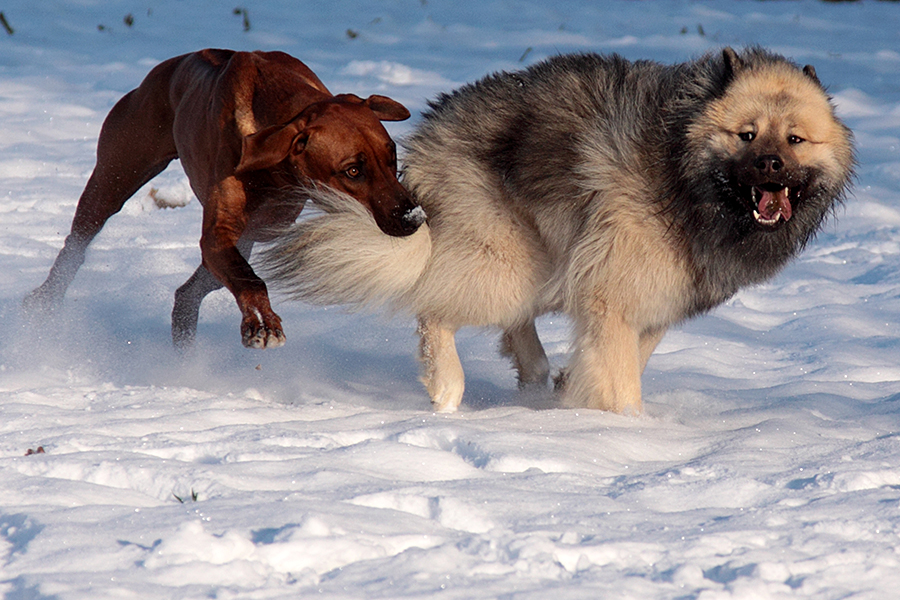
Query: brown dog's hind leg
pixel 97 204
pixel 186 311
pixel 129 154
pixel 188 297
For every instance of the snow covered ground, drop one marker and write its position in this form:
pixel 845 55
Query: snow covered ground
pixel 767 464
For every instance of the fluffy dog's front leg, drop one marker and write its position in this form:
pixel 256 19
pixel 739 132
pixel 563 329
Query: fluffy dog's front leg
pixel 442 372
pixel 649 341
pixel 605 372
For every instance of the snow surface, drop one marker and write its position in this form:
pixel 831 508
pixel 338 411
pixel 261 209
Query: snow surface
pixel 767 464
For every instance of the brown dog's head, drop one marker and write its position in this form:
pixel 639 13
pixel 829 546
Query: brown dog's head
pixel 341 142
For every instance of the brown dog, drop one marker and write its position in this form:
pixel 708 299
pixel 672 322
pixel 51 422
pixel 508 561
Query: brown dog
pixel 249 128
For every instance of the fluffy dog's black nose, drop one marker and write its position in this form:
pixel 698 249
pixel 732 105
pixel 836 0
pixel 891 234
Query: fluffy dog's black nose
pixel 770 163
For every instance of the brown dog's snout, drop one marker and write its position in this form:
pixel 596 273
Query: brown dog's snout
pixel 412 219
pixel 415 217
pixel 398 214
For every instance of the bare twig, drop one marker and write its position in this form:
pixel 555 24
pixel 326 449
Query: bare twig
pixel 245 15
pixel 6 24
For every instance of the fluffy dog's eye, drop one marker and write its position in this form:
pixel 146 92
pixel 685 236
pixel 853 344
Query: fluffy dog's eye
pixel 795 139
pixel 747 136
pixel 353 172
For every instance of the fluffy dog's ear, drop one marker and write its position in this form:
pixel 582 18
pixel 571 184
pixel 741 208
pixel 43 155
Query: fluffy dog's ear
pixel 810 72
pixel 733 62
pixel 267 147
pixel 387 109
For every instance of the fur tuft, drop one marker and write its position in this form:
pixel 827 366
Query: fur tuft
pixel 338 255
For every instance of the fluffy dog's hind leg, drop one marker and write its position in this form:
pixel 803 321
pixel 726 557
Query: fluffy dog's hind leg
pixel 442 372
pixel 523 346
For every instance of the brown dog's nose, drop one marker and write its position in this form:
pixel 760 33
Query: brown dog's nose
pixel 769 163
pixel 415 217
pixel 408 221
pixel 400 217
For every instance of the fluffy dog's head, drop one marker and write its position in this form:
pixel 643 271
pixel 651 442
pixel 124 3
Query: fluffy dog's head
pixel 762 160
pixel 775 140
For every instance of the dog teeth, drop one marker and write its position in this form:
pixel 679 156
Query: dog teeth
pixel 759 218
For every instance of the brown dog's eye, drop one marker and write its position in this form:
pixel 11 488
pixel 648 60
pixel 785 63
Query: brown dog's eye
pixel 795 139
pixel 300 144
pixel 747 136
pixel 353 172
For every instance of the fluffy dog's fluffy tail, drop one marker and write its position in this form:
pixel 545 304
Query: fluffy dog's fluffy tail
pixel 340 256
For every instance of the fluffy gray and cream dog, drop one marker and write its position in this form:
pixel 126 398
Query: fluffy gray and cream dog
pixel 628 195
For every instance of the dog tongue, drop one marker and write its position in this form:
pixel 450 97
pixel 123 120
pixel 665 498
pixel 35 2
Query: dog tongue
pixel 774 203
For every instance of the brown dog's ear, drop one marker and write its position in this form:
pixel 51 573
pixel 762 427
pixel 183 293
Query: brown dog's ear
pixel 267 147
pixel 386 109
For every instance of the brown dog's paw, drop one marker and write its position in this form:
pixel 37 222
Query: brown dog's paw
pixel 263 338
pixel 40 303
pixel 259 332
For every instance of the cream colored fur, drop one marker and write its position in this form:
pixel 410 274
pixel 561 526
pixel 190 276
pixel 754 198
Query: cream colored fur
pixel 778 101
pixel 344 257
pixel 514 232
pixel 479 264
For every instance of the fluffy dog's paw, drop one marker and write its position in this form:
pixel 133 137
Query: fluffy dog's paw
pixel 446 390
pixel 560 380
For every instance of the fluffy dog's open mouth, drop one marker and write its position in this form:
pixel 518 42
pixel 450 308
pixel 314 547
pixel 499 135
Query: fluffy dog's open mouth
pixel 772 204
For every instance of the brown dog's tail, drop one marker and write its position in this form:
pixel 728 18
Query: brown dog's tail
pixel 340 256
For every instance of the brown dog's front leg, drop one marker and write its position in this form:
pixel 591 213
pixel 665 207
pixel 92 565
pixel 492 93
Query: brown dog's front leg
pixel 224 222
pixel 260 326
